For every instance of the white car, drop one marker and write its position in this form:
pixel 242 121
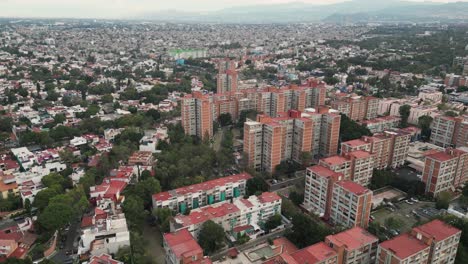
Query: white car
pixel 408 202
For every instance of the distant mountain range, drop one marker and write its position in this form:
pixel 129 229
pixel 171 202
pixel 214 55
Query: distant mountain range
pixel 350 11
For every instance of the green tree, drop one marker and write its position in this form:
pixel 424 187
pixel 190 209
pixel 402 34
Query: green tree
pixel 211 237
pixel 55 216
pixel 424 123
pixel 350 129
pixel 394 222
pixel 42 198
pixel 225 119
pixel 443 200
pixel 273 222
pixel 306 231
pixel 404 111
pixel 134 212
pixel 256 185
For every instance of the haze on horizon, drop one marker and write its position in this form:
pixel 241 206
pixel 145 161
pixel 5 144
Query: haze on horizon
pixel 130 8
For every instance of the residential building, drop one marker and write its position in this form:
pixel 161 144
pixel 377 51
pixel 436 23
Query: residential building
pixel 197 116
pixel 380 124
pixel 403 249
pixel 103 259
pixel 443 129
pixel 435 242
pixel 350 205
pixel 141 158
pixel 202 194
pixel 269 141
pixel 442 238
pixel 103 233
pixel 354 246
pixel 445 170
pixel 318 191
pixel 182 248
pixel 339 164
pixel 319 253
pixel 227 78
pixel 249 213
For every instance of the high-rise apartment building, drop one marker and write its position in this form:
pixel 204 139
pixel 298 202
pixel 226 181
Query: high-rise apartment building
pixel 442 238
pixel 318 191
pixel 328 195
pixel 350 205
pixel 197 115
pixel 443 130
pixel 357 108
pixel 445 170
pixel 354 246
pixel 432 243
pixel 269 141
pixel 227 78
pixel 403 249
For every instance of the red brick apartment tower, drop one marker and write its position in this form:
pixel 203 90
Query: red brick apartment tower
pixel 372 107
pixel 318 92
pixel 355 245
pixel 330 132
pixel 357 108
pixel 319 189
pixel 442 238
pixel 253 143
pixel 351 204
pixel 403 249
pixel 444 170
pixel 197 115
pixel 272 145
pixel 227 78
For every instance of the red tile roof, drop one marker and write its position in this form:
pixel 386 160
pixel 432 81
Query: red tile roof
pixel 404 246
pixel 314 254
pixel 353 238
pixel 440 156
pixel 103 258
pixel 182 243
pixel 437 229
pixel 360 154
pixel 335 160
pixel 324 172
pixel 268 197
pixel 353 187
pixel 204 186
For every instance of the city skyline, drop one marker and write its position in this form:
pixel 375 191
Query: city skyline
pixel 122 9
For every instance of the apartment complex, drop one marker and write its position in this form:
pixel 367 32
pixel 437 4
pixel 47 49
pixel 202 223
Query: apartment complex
pixel 350 205
pixel 182 248
pixel 435 242
pixel 445 170
pixel 357 108
pixel 269 141
pixel 201 194
pixel 328 195
pixel 318 191
pixel 200 110
pixel 354 246
pixel 246 214
pixel 449 131
pixel 197 115
pixel 227 78
pixel 380 124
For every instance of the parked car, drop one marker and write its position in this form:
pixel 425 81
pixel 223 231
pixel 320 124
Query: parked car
pixel 414 200
pixel 409 202
pixel 391 209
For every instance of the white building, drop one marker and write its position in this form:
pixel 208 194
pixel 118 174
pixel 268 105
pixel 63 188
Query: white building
pixel 103 233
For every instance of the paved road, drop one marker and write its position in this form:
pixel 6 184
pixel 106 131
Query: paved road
pixel 72 235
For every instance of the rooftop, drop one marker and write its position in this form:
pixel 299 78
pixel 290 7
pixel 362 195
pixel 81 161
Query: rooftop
pixel 335 160
pixel 182 243
pixel 404 246
pixel 204 186
pixel 353 187
pixel 437 229
pixel 324 172
pixel 353 238
pixel 314 254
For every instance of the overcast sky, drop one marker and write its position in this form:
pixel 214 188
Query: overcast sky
pixel 127 8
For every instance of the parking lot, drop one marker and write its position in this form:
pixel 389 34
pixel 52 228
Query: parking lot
pixel 404 212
